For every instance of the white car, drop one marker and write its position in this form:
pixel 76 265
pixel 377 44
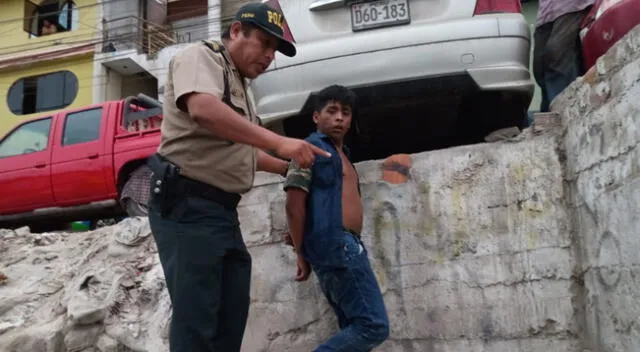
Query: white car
pixel 428 73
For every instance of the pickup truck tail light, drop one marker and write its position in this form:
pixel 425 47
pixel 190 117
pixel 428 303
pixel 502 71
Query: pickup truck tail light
pixel 484 7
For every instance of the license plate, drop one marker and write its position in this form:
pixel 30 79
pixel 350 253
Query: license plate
pixel 381 13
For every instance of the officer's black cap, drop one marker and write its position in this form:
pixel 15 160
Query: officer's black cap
pixel 270 20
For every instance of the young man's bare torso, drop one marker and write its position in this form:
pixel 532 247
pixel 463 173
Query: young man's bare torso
pixel 351 201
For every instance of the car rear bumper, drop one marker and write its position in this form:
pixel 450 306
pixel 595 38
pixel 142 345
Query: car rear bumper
pixel 494 63
pixel 612 25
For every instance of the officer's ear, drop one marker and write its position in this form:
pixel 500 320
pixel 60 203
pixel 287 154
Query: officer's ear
pixel 235 30
pixel 315 117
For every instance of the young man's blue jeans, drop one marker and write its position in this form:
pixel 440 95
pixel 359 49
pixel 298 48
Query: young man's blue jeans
pixel 354 295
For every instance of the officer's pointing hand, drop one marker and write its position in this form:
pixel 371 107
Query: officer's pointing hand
pixel 302 152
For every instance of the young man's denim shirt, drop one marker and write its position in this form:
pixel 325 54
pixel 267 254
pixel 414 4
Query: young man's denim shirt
pixel 325 241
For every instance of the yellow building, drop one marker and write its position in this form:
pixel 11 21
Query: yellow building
pixel 46 57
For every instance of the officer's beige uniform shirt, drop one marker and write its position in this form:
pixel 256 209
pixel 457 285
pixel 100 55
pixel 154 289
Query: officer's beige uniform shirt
pixel 200 154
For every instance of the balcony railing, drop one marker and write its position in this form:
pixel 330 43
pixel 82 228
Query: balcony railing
pixel 132 32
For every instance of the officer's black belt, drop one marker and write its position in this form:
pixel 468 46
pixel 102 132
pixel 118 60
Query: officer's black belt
pixel 194 188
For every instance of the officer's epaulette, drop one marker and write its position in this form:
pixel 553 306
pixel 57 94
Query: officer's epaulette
pixel 215 46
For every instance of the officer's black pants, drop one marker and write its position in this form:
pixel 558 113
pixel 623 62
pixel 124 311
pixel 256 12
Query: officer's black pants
pixel 207 269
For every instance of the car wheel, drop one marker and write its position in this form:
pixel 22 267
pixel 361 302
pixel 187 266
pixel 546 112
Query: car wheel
pixel 133 208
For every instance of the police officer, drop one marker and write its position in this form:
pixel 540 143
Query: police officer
pixel 210 148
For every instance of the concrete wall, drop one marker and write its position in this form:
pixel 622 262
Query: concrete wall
pixel 214 18
pixel 140 83
pixel 106 82
pixel 473 253
pixel 81 66
pixel 121 29
pixel 191 29
pixel 112 84
pixel 601 117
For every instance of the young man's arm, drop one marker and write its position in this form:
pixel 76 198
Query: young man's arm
pixel 196 84
pixel 271 164
pixel 297 186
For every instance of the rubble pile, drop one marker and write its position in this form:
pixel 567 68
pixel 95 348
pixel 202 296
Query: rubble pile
pixel 86 291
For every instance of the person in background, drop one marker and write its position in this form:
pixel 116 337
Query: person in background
pixel 324 212
pixel 557 58
pixel 48 28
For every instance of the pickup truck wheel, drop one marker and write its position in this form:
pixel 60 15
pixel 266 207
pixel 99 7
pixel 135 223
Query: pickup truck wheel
pixel 135 192
pixel 134 208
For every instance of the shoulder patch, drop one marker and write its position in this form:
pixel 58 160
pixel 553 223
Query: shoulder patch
pixel 213 45
pixel 297 177
pixel 237 92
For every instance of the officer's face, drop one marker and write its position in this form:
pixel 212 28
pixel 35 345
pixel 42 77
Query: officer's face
pixel 252 50
pixel 334 120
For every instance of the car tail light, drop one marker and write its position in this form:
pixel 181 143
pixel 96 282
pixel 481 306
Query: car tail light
pixel 484 7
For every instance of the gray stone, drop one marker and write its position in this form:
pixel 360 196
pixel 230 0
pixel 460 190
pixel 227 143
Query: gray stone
pixel 83 312
pixel 47 337
pixel 7 233
pixel 107 344
pixel 6 326
pixel 502 134
pixel 80 338
pixel 23 231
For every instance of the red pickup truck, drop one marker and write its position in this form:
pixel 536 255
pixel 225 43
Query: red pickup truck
pixel 79 164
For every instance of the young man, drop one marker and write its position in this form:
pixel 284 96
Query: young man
pixel 207 158
pixel 324 211
pixel 557 54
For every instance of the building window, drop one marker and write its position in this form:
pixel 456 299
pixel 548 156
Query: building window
pixel 51 91
pixel 49 17
pixel 29 138
pixel 82 127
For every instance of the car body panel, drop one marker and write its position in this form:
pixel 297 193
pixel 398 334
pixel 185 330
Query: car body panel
pixel 607 22
pixel 27 174
pixel 443 38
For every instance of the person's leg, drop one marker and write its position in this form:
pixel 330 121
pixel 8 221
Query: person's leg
pixel 192 240
pixel 540 39
pixel 562 54
pixel 357 294
pixel 326 275
pixel 236 277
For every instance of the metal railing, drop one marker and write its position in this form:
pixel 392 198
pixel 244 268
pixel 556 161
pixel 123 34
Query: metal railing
pixel 132 32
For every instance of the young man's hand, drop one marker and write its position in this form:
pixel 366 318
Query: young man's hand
pixel 302 152
pixel 304 270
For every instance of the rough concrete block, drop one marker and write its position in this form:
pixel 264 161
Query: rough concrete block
pixel 602 124
pixel 475 245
